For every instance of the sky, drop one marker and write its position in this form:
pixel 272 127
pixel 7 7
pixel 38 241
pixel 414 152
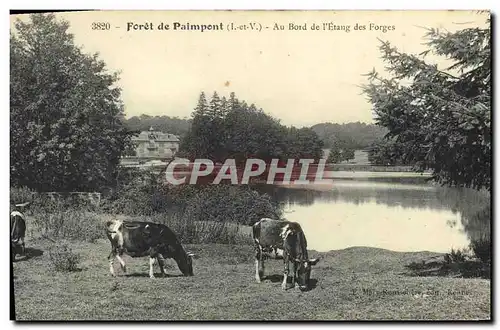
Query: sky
pixel 300 77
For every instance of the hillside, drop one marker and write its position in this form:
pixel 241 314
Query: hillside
pixel 360 135
pixel 173 125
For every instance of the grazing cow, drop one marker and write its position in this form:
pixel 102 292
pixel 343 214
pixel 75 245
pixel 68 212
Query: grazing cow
pixel 17 233
pixel 269 235
pixel 140 239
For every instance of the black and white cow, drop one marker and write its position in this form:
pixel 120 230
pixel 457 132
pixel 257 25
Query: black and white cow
pixel 140 239
pixel 17 231
pixel 268 235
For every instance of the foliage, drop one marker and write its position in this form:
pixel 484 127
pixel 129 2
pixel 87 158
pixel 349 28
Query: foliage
pixel 190 231
pixel 173 125
pixel 476 220
pixel 135 193
pixel 223 129
pixel 65 111
pixel 482 249
pixel 386 152
pixel 60 222
pixel 348 154
pixel 340 150
pixel 64 218
pixel 456 255
pixel 231 204
pixel 359 135
pixel 63 259
pixel 147 195
pixel 21 195
pixel 440 119
pixel 335 156
pixel 303 143
pixel 362 135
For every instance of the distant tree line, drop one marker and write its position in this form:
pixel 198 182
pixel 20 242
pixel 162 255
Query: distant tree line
pixel 173 125
pixel 341 139
pixel 344 139
pixel 354 135
pixel 230 128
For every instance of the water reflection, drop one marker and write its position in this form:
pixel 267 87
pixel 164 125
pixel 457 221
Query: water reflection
pixel 386 214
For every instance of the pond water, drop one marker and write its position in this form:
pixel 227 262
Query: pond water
pixel 385 211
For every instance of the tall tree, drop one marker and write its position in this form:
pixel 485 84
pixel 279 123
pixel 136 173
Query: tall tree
pixel 340 150
pixel 65 111
pixel 196 142
pixel 442 119
pixel 303 143
pixel 216 129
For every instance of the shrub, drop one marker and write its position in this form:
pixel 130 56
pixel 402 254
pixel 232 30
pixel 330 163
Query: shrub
pixel 457 255
pixel 231 204
pixel 42 202
pixel 63 259
pixel 21 195
pixel 139 193
pixel 146 194
pixel 482 249
pixel 194 232
pixel 69 223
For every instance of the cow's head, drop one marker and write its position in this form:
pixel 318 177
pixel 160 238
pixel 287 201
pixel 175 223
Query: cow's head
pixel 186 264
pixel 303 269
pixel 113 228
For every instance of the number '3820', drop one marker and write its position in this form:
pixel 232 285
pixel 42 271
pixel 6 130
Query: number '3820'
pixel 101 26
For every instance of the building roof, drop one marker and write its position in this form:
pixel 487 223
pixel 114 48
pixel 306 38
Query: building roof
pixel 155 135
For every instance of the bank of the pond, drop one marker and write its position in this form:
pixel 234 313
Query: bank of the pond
pixel 351 284
pixel 370 168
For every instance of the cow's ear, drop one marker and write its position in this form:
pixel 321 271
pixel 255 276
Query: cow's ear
pixel 314 261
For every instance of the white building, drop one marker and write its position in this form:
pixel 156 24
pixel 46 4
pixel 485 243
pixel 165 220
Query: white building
pixel 155 145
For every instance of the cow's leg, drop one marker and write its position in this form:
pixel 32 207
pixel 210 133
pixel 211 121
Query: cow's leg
pixel 122 263
pixel 161 263
pixel 259 265
pixel 111 258
pixel 285 271
pixel 153 255
pixel 151 264
pixel 257 258
pixel 23 247
pixel 294 271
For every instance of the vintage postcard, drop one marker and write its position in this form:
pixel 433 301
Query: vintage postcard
pixel 250 165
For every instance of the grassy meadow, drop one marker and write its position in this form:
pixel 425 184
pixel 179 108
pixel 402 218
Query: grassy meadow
pixel 352 284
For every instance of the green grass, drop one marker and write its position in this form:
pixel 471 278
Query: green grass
pixel 351 284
